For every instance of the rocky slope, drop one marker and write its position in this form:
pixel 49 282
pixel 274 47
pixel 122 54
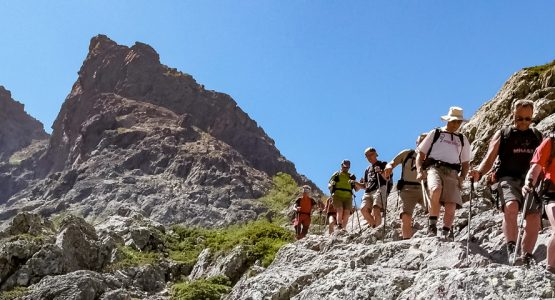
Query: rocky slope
pixel 137 136
pixel 371 266
pixel 536 84
pixel 75 260
pixel 357 265
pixel 17 129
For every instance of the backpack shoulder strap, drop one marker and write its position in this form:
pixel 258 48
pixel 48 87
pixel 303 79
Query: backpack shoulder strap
pixel 409 155
pixel 437 132
pixel 505 134
pixel 538 134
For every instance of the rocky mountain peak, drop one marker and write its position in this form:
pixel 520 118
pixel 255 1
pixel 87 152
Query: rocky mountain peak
pixel 135 136
pixel 17 128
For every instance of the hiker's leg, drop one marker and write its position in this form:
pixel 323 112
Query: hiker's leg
pixel 305 225
pixel 347 206
pixel 339 215
pixel 435 187
pixel 531 232
pixel 510 200
pixel 510 226
pixel 365 207
pixel 377 214
pixel 449 215
pixel 346 215
pixel 406 226
pixel 331 222
pixel 378 198
pixel 550 210
pixel 409 197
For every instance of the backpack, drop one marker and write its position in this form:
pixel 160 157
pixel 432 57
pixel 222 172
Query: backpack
pixel 430 161
pixel 401 182
pixel 437 133
pixel 336 179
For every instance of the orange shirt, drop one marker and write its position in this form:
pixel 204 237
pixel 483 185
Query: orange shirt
pixel 305 203
pixel 541 156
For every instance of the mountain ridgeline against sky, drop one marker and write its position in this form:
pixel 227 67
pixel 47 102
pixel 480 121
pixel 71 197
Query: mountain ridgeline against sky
pixel 134 135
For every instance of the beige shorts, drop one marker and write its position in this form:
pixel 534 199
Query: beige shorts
pixel 447 180
pixel 376 198
pixel 344 203
pixel 410 196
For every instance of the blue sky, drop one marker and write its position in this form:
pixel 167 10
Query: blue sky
pixel 325 79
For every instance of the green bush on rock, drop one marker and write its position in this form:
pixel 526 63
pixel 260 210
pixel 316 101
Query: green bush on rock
pixel 210 289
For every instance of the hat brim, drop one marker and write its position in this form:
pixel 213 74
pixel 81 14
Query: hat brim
pixel 452 118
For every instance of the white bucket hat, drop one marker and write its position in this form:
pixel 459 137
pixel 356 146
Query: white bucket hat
pixel 455 114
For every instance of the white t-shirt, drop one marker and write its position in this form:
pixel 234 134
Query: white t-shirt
pixel 447 148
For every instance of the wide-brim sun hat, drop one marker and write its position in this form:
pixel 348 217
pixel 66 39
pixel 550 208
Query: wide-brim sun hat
pixel 455 114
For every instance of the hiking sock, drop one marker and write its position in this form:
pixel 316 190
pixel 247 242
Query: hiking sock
pixel 433 220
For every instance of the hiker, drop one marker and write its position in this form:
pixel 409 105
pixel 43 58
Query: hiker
pixel 408 188
pixel 542 161
pixel 514 146
pixel 331 214
pixel 341 186
pixel 303 209
pixel 376 187
pixel 443 159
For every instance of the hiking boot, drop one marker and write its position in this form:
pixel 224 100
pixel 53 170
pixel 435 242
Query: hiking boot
pixel 525 259
pixel 510 247
pixel 448 235
pixel 338 227
pixel 432 230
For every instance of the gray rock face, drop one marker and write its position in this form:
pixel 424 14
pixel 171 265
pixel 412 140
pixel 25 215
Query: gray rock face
pixel 70 262
pixel 79 244
pixel 137 232
pixel 137 137
pixel 353 266
pixel 525 84
pixel 232 265
pixel 82 285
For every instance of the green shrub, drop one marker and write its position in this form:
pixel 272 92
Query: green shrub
pixel 132 258
pixel 261 239
pixel 14 293
pixel 208 289
pixel 538 70
pixel 284 190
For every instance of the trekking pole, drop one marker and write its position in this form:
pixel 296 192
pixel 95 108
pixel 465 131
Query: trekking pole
pixel 384 206
pixel 356 212
pixel 426 199
pixel 527 199
pixel 297 225
pixel 469 215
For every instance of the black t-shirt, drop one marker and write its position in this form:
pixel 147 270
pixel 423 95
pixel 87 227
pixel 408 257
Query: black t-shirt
pixel 515 152
pixel 371 176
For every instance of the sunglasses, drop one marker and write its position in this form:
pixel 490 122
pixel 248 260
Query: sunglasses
pixel 520 119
